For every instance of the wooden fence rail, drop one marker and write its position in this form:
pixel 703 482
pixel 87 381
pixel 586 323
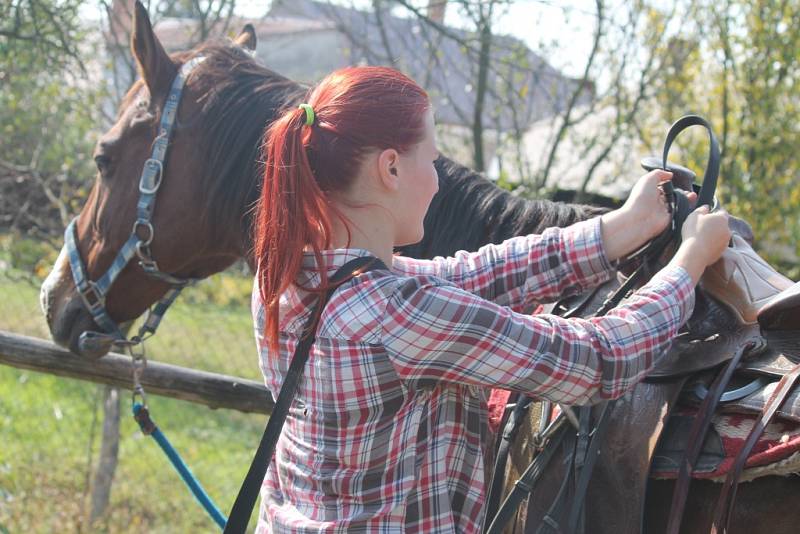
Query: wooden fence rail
pixel 210 389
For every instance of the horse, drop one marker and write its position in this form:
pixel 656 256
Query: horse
pixel 201 223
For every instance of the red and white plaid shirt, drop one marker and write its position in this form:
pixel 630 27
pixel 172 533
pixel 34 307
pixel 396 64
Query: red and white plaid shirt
pixel 386 430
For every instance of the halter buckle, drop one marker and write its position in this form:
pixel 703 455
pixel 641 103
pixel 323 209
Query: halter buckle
pixel 158 171
pixel 149 266
pixel 92 298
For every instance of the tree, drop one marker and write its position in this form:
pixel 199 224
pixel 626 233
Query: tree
pixel 48 114
pixel 42 28
pixel 740 67
pixel 761 111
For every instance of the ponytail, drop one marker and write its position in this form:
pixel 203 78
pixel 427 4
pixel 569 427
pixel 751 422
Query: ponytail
pixel 289 195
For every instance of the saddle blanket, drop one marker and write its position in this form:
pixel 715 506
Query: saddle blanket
pixel 777 452
pixel 497 405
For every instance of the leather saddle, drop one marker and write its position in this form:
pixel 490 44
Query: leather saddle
pixel 762 342
pixel 642 418
pixel 782 312
pixel 746 316
pixel 743 300
pixel 745 310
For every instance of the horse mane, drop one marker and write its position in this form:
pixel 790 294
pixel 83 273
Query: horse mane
pixel 470 211
pixel 239 99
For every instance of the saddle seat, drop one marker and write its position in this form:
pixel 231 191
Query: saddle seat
pixel 782 312
pixel 748 285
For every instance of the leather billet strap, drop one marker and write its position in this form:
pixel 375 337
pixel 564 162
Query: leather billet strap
pixel 248 493
pixel 510 429
pixel 677 202
pixel 554 436
pixel 93 293
pixel 727 497
pixel 585 467
pixel 706 194
pixel 697 436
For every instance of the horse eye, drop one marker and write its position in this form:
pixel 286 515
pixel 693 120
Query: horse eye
pixel 102 163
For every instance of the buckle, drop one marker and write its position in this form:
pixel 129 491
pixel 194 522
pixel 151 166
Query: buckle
pixel 149 266
pixel 159 172
pixel 91 297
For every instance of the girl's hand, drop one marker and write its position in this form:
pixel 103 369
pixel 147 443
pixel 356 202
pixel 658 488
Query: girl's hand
pixel 647 207
pixel 643 216
pixel 708 233
pixel 705 237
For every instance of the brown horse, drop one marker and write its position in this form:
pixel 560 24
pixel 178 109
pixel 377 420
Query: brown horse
pixel 202 217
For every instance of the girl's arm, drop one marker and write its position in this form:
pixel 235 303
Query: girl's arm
pixel 523 270
pixel 437 332
pixel 538 268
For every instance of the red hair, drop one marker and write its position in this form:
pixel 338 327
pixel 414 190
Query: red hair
pixel 358 109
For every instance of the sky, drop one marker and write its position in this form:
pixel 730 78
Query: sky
pixel 570 23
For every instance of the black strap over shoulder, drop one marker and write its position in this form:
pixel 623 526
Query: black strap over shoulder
pixel 248 493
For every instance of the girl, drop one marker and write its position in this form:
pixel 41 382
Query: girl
pixel 385 432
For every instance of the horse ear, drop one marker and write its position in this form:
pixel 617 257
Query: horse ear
pixel 155 66
pixel 247 39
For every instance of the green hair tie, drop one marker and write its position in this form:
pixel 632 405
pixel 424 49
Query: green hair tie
pixel 309 113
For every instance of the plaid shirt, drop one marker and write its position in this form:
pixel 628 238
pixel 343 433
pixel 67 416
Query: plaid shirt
pixel 386 430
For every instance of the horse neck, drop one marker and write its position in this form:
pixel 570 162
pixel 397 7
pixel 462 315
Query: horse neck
pixel 470 211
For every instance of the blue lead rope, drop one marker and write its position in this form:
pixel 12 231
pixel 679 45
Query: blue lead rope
pixel 148 427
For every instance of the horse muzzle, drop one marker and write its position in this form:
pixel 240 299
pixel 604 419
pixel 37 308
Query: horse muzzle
pixel 71 326
pixel 66 316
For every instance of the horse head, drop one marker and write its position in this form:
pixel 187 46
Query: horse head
pixel 195 202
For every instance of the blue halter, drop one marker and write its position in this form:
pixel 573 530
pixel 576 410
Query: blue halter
pixel 93 293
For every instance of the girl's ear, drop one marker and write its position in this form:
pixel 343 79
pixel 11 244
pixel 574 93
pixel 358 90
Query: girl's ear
pixel 389 169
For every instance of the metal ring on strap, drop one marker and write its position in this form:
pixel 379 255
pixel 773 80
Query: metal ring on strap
pixel 147 225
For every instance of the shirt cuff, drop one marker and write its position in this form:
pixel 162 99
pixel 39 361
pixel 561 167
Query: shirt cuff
pixel 674 282
pixel 587 254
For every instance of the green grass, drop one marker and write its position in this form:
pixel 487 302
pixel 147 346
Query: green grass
pixel 50 428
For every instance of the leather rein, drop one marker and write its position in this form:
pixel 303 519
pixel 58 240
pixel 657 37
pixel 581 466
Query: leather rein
pixel 94 293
